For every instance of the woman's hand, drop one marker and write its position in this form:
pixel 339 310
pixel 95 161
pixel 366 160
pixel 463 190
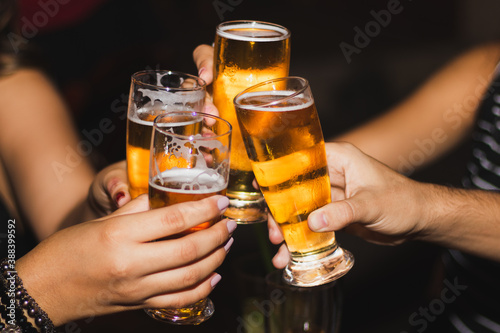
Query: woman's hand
pixel 203 56
pixel 112 264
pixel 109 190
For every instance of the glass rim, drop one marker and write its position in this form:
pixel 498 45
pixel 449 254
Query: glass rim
pixel 137 82
pixel 222 27
pixel 285 98
pixel 157 127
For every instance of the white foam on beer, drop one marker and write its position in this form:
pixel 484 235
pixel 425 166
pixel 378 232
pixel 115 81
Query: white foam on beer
pixel 253 35
pixel 136 118
pixel 196 181
pixel 169 98
pixel 270 108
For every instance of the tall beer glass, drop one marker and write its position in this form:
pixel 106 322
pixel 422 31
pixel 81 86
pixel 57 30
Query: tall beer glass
pixel 284 141
pixel 154 92
pixel 189 161
pixel 246 53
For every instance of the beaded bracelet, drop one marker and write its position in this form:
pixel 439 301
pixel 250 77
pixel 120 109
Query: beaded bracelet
pixel 15 302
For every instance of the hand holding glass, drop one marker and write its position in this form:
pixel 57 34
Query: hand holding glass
pixel 189 161
pixel 284 141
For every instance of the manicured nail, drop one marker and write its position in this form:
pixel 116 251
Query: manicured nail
pixel 118 197
pixel 223 203
pixel 228 244
pixel 318 221
pixel 215 280
pixel 231 226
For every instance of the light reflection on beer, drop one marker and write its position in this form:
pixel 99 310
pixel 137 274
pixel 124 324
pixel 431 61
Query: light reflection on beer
pixel 285 144
pixel 246 53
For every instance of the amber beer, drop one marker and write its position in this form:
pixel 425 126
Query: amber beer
pixel 288 156
pixel 139 130
pixel 170 188
pixel 246 53
pixel 152 93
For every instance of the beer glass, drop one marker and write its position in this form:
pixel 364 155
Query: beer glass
pixel 154 92
pixel 246 53
pixel 189 161
pixel 284 141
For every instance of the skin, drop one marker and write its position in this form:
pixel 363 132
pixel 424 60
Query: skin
pixel 108 264
pixel 119 267
pixel 31 105
pixel 368 192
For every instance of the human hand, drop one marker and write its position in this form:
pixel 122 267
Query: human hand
pixel 203 56
pixel 109 190
pixel 369 200
pixel 111 264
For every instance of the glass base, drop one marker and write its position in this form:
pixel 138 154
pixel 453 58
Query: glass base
pixel 246 210
pixel 191 315
pixel 315 271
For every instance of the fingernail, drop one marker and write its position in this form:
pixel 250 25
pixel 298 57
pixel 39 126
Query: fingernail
pixel 228 244
pixel 118 197
pixel 201 71
pixel 231 226
pixel 318 221
pixel 223 203
pixel 215 280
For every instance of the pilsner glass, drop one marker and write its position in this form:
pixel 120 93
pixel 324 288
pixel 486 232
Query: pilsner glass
pixel 154 92
pixel 284 141
pixel 189 161
pixel 246 53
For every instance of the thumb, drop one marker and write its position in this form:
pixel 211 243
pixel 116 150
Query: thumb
pixel 203 58
pixel 334 216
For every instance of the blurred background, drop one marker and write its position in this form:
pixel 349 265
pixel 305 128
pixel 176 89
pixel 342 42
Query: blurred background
pixel 91 48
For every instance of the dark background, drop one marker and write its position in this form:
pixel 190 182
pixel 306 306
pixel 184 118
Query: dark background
pixel 91 60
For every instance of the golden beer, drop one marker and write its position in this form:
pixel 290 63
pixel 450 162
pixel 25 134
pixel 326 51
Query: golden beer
pixel 169 189
pixel 283 138
pixel 189 162
pixel 288 156
pixel 246 53
pixel 153 93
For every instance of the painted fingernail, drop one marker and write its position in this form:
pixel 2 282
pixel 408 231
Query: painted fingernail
pixel 215 280
pixel 231 226
pixel 318 221
pixel 228 244
pixel 118 197
pixel 223 203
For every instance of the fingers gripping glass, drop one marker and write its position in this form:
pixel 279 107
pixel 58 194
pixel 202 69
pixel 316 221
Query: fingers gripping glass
pixel 189 162
pixel 283 138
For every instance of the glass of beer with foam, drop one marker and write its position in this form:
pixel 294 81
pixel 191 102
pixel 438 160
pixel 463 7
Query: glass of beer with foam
pixel 189 162
pixel 154 92
pixel 283 138
pixel 246 53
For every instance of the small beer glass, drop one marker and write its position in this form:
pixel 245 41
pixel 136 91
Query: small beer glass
pixel 284 141
pixel 246 53
pixel 189 161
pixel 154 92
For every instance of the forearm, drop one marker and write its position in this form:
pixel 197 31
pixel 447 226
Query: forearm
pixel 434 119
pixel 466 220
